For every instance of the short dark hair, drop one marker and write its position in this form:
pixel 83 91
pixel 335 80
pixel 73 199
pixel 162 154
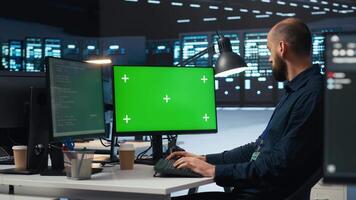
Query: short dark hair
pixel 297 34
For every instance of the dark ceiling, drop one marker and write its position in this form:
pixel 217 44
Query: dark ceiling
pixel 168 18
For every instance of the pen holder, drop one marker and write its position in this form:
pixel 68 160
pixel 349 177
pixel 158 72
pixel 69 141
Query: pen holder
pixel 78 164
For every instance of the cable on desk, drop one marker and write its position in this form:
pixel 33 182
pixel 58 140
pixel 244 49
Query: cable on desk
pixel 3 152
pixel 143 153
pixel 108 140
pixel 102 143
pixel 172 142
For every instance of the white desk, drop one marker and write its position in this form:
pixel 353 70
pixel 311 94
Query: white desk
pixel 20 197
pixel 112 182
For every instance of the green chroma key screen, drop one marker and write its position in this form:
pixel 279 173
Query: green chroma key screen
pixel 154 99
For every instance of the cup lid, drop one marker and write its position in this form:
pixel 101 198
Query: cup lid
pixel 126 147
pixel 20 147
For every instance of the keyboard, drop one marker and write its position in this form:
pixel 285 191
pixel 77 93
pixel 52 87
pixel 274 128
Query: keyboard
pixel 165 168
pixel 6 160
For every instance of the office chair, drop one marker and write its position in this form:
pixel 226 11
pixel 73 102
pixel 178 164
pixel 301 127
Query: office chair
pixel 303 192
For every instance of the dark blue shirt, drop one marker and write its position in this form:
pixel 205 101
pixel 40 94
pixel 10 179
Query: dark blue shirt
pixel 290 148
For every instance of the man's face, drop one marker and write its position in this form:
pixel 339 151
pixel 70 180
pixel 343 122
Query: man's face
pixel 279 66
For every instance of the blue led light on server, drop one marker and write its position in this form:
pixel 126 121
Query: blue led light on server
pixel 33 55
pixel 4 55
pixel 258 78
pixel 176 52
pixel 52 48
pixel 194 44
pixel 15 55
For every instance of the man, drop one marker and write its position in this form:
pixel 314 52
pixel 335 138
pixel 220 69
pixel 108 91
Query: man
pixel 289 150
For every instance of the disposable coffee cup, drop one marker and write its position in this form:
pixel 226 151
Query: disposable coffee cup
pixel 127 156
pixel 20 157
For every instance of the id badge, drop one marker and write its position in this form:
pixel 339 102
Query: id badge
pixel 255 155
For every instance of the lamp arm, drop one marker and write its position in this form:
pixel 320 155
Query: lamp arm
pixel 209 50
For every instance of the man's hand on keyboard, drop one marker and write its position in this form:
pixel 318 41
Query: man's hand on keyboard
pixel 181 154
pixel 197 165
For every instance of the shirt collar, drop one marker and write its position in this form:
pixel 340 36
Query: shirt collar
pixel 302 78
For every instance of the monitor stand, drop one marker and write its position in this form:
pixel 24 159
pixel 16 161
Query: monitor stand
pixel 113 149
pixel 57 161
pixel 112 153
pixel 157 151
pixel 112 159
pixel 39 131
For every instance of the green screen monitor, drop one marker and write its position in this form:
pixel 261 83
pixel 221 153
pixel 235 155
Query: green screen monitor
pixel 152 100
pixel 76 99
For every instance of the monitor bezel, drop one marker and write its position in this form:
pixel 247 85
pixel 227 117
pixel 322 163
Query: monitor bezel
pixel 52 138
pixel 163 132
pixel 339 177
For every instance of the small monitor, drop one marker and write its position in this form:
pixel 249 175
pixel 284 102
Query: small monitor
pixel 151 100
pixel 340 110
pixel 76 96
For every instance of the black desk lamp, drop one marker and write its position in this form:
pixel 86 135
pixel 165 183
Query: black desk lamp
pixel 228 62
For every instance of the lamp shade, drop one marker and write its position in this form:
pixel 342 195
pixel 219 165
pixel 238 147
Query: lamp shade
pixel 228 62
pixel 98 60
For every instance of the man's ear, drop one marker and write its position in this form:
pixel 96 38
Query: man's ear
pixel 282 48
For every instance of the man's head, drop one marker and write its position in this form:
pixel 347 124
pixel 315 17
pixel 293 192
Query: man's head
pixel 289 40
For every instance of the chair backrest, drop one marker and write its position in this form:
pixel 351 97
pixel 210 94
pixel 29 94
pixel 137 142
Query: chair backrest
pixel 303 193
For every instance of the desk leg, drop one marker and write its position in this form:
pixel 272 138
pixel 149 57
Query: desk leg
pixel 192 191
pixel 11 189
